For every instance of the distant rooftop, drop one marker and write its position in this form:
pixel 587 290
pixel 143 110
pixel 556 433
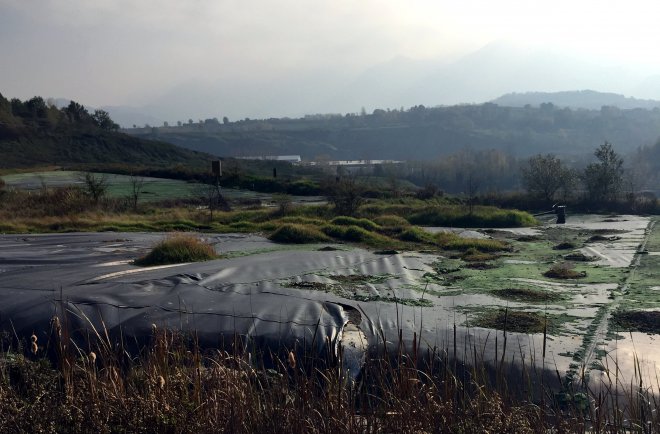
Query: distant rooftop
pixel 289 158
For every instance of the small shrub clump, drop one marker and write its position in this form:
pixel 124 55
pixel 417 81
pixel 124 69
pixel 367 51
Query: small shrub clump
pixel 291 233
pixel 178 249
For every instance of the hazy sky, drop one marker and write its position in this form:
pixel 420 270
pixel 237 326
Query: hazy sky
pixel 104 52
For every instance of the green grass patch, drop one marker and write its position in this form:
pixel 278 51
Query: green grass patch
pixel 298 234
pixel 178 249
pixel 416 235
pixel 352 221
pixel 481 217
pixel 356 234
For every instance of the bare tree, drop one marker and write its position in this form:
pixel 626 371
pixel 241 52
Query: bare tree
pixel 95 185
pixel 345 194
pixel 472 187
pixel 544 176
pixel 136 184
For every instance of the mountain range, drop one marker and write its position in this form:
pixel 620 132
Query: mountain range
pixel 496 69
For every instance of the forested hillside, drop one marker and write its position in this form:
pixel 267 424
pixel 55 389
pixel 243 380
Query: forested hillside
pixel 421 133
pixel 34 133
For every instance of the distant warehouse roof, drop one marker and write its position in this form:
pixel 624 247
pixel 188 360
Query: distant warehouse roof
pixel 289 158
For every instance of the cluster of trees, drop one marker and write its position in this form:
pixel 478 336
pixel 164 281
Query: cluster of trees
pixel 36 112
pixel 603 181
pixel 422 133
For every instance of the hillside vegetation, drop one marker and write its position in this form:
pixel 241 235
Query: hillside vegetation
pixel 421 133
pixel 36 133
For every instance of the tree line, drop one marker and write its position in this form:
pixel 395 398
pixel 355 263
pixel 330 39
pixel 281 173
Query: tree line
pixel 39 113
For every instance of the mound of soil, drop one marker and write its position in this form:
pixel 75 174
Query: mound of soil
pixel 580 257
pixel 598 238
pixel 480 266
pixel 564 271
pixel 527 294
pixel 609 231
pixel 528 238
pixel 513 321
pixel 565 274
pixel 328 249
pixel 564 246
pixel 637 321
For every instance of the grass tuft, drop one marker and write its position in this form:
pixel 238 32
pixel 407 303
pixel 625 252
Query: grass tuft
pixel 291 233
pixel 178 249
pixel 352 221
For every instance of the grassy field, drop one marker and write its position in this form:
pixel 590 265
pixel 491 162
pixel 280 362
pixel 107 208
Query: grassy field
pixel 119 186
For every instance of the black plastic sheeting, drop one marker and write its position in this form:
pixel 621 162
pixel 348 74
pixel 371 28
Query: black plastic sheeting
pixel 88 275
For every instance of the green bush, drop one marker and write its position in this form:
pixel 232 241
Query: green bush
pixel 178 249
pixel 290 233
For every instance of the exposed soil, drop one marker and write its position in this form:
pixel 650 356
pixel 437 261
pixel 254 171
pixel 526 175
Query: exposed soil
pixel 609 231
pixel 480 266
pixel 599 238
pixel 564 246
pixel 637 321
pixel 528 238
pixel 328 249
pixel 580 257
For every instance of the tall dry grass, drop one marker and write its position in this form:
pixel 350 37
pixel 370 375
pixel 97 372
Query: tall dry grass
pixel 173 385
